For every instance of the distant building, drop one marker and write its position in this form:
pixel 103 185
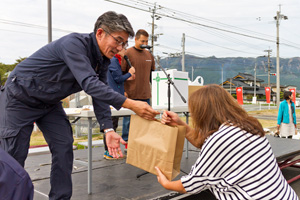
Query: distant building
pixel 247 82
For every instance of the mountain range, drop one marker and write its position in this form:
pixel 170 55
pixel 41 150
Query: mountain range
pixel 210 68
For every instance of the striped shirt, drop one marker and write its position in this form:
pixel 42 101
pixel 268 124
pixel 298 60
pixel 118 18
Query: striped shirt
pixel 235 164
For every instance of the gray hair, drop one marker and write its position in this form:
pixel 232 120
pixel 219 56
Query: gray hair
pixel 113 22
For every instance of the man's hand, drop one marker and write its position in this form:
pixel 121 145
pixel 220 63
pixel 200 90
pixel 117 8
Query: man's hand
pixel 113 144
pixel 141 108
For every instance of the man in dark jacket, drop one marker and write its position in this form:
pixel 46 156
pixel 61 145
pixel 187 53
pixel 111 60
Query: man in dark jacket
pixel 35 87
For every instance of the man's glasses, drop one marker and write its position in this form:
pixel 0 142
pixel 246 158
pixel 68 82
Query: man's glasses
pixel 119 43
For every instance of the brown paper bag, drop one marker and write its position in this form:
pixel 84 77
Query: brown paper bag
pixel 152 143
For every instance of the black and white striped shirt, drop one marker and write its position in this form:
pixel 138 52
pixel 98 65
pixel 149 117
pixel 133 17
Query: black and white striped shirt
pixel 234 164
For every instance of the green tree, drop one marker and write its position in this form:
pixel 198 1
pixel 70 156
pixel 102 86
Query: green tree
pixel 2 72
pixel 4 69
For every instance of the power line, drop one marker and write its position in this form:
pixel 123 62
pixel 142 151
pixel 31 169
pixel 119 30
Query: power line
pixel 178 50
pixel 22 32
pixel 227 37
pixel 214 22
pixel 220 45
pixel 191 22
pixel 4 21
pixel 219 29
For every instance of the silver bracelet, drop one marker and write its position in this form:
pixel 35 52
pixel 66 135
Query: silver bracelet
pixel 108 130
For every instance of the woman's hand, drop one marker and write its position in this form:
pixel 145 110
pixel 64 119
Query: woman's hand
pixel 169 185
pixel 171 118
pixel 161 178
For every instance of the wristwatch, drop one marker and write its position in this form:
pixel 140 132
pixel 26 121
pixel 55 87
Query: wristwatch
pixel 108 130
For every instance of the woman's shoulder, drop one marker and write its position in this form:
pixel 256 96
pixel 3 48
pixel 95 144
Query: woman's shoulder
pixel 229 133
pixel 283 102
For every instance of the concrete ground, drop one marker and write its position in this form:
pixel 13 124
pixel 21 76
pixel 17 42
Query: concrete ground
pixel 114 179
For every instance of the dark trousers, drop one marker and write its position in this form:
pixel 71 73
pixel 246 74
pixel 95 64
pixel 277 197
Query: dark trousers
pixel 16 124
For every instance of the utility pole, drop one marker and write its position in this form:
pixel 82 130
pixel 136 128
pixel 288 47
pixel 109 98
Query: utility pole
pixel 49 22
pixel 254 86
pixel 192 73
pixel 278 17
pixel 222 74
pixel 183 52
pixel 230 85
pixel 154 17
pixel 153 26
pixel 269 71
pixel 255 81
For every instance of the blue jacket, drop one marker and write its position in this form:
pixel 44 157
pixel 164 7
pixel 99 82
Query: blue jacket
pixel 115 76
pixel 63 67
pixel 283 113
pixel 15 182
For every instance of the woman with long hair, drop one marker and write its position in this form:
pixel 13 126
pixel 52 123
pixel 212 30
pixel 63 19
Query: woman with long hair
pixel 235 160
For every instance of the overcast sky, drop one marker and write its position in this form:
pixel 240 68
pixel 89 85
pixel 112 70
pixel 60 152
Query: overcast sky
pixel 211 27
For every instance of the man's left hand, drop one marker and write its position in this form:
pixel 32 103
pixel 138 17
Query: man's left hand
pixel 113 141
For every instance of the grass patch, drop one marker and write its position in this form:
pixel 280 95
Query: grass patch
pixel 268 123
pixel 271 112
pixel 264 112
pixel 37 138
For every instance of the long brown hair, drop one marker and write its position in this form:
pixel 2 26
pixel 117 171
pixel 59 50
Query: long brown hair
pixel 211 106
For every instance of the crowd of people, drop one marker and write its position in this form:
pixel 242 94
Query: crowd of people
pixel 235 160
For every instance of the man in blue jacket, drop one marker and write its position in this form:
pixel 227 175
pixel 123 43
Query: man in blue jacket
pixel 15 182
pixel 33 91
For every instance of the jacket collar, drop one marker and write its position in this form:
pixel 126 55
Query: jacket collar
pixel 102 60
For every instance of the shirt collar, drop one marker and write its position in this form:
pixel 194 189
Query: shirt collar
pixel 119 58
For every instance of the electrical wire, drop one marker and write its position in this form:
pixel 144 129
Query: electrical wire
pixel 4 21
pixel 187 18
pixel 22 32
pixel 220 45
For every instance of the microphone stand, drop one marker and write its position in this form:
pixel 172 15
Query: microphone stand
pixel 170 82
